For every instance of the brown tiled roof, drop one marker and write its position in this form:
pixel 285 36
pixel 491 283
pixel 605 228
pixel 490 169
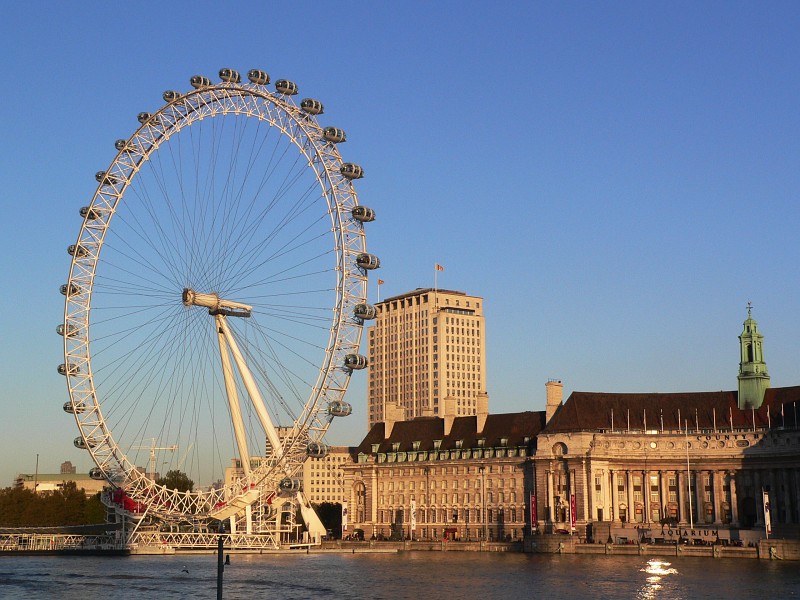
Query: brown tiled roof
pixel 513 426
pixel 589 411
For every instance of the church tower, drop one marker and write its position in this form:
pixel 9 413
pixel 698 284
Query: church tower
pixel 753 376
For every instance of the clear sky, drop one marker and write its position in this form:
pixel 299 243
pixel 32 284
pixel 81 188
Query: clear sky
pixel 617 180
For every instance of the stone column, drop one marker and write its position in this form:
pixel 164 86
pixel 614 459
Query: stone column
pixel 629 476
pixel 734 499
pixel 787 499
pixel 550 517
pixel 700 496
pixel 663 493
pixel 646 496
pixel 681 496
pixel 759 498
pixel 614 514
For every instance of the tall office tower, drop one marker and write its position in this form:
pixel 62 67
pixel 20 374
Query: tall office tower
pixel 427 356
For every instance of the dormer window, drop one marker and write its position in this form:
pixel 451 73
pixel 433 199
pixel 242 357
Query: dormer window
pixel 395 446
pixel 437 444
pixel 481 442
pixel 459 444
pixel 375 448
pixel 504 442
pixel 415 445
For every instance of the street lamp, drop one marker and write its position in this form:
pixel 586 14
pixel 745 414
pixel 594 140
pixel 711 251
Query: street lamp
pixel 482 471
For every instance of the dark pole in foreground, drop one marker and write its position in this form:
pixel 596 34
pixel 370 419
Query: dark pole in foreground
pixel 220 563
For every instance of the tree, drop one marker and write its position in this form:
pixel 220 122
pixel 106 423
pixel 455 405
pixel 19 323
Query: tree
pixel 176 480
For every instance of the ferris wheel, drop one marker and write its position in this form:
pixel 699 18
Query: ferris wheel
pixel 216 298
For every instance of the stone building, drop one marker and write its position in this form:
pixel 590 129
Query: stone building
pixel 454 477
pixel 694 459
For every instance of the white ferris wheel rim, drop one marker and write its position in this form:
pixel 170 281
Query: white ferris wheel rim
pixel 215 101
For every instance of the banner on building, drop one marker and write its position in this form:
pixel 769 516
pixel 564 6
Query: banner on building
pixel 767 519
pixel 534 514
pixel 413 515
pixel 572 510
pixel 344 515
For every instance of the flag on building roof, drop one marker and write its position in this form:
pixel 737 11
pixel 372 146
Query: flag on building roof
pixel 439 267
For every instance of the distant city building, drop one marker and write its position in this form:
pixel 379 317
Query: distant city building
pixel 427 356
pixel 47 482
pixel 67 467
pixel 323 478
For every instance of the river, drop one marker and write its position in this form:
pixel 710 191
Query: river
pixel 411 575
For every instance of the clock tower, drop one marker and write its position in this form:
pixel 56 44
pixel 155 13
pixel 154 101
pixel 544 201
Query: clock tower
pixel 753 376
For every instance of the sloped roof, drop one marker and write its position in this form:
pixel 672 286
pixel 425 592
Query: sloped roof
pixel 589 411
pixel 515 427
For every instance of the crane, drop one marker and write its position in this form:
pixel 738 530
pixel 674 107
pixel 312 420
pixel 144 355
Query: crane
pixel 152 447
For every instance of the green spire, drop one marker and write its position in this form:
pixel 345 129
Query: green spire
pixel 753 376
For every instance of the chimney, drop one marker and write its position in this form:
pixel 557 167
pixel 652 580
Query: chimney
pixel 449 413
pixel 555 393
pixel 393 413
pixel 482 410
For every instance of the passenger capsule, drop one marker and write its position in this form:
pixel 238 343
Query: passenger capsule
pixel 334 134
pixel 311 106
pixel 69 330
pixel 97 473
pixel 351 171
pixel 258 77
pixel 198 81
pixel 339 408
pixel 63 370
pixel 284 86
pixel 317 450
pixel 82 444
pixel 355 361
pixel 229 76
pixel 368 261
pixel 365 312
pixel 106 178
pixel 74 410
pixel 70 289
pixel 143 117
pixel 363 214
pixel 77 250
pixel 171 96
pixel 89 213
pixel 289 485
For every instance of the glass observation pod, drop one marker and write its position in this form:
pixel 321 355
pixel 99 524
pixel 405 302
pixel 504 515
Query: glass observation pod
pixel 258 77
pixel 90 214
pixel 125 146
pixel 82 444
pixel 289 485
pixel 363 214
pixel 339 408
pixel 97 473
pixel 77 250
pixel 198 81
pixel 70 289
pixel 351 171
pixel 76 410
pixel 229 76
pixel 334 134
pixel 73 369
pixel 368 261
pixel 317 450
pixel 105 178
pixel 171 96
pixel 284 86
pixel 366 312
pixel 311 106
pixel 355 361
pixel 70 330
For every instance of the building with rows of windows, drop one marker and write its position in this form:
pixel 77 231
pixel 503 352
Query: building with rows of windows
pixel 671 466
pixel 427 353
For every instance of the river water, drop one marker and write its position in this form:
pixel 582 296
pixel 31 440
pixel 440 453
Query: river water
pixel 412 575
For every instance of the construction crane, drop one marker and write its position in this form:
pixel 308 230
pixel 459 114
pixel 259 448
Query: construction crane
pixel 152 447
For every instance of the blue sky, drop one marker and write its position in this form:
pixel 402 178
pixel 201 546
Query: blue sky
pixel 617 180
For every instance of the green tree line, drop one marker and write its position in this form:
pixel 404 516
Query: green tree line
pixel 20 507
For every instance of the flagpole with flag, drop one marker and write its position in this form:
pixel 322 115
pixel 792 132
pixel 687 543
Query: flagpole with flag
pixel 380 283
pixel 437 267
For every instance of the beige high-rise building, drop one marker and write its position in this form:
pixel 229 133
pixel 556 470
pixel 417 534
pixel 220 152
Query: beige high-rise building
pixel 427 356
